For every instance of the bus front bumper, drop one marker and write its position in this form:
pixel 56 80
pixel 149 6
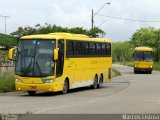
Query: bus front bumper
pixel 46 87
pixel 143 69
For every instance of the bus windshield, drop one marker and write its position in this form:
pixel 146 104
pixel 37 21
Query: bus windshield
pixel 35 58
pixel 143 56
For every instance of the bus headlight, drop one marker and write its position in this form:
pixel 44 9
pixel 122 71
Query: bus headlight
pixel 18 80
pixel 151 66
pixel 47 80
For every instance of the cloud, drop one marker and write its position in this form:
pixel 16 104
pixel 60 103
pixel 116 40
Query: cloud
pixel 77 13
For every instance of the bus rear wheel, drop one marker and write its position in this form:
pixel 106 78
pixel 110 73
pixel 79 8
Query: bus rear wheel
pixel 65 87
pixel 95 83
pixel 100 82
pixel 32 93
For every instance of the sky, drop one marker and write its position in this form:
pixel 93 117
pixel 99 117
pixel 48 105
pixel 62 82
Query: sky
pixel 77 13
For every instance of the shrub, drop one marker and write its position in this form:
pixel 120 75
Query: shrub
pixel 7 82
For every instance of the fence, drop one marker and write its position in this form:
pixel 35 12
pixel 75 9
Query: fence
pixel 8 66
pixel 5 64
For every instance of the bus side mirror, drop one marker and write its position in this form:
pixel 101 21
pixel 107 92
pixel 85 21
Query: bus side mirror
pixel 56 54
pixel 12 54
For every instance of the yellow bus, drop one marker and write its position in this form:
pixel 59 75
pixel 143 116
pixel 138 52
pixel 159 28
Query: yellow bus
pixel 143 59
pixel 61 61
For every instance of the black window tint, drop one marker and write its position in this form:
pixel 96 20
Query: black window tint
pixel 108 45
pixel 103 49
pixel 77 48
pixel 98 49
pixel 69 48
pixel 92 48
pixel 85 48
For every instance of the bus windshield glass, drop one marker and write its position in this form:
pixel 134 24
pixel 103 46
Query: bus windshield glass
pixel 143 56
pixel 35 58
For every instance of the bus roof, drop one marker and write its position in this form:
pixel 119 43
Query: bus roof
pixel 143 49
pixel 64 36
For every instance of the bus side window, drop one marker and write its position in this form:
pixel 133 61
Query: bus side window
pixel 108 48
pixel 69 49
pixel 98 49
pixel 103 49
pixel 85 49
pixel 92 49
pixel 77 48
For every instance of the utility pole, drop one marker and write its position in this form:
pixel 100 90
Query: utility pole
pixel 92 20
pixel 94 14
pixel 5 24
pixel 158 41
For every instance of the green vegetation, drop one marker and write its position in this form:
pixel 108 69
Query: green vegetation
pixel 48 28
pixel 148 37
pixel 7 41
pixel 122 52
pixel 127 63
pixel 115 73
pixel 7 83
pixel 156 66
pixel 3 57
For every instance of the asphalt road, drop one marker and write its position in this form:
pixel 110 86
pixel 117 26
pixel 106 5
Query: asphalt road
pixel 129 93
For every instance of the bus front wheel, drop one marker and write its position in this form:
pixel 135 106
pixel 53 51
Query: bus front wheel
pixel 65 87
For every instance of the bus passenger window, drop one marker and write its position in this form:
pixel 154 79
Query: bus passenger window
pixel 103 49
pixel 108 45
pixel 77 48
pixel 98 49
pixel 69 49
pixel 92 49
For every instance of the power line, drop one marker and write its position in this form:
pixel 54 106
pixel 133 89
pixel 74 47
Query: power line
pixel 127 19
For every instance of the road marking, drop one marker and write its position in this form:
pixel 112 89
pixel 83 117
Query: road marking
pixel 64 106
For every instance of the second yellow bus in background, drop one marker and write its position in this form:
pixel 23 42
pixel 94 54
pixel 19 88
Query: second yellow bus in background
pixel 143 60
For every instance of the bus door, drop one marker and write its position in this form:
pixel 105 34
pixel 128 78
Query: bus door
pixel 60 61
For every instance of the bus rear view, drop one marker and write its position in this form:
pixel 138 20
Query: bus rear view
pixel 143 60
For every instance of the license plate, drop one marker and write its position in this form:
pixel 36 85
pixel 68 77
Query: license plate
pixel 33 87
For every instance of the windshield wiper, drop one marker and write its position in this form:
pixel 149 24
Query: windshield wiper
pixel 39 68
pixel 27 70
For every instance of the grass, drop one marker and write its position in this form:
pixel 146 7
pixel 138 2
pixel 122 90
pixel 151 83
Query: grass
pixel 7 82
pixel 156 65
pixel 115 73
pixel 127 63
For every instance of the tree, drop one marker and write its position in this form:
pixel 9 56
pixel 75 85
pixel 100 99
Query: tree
pixel 48 28
pixel 7 41
pixel 144 37
pixel 147 37
pixel 122 51
pixel 96 32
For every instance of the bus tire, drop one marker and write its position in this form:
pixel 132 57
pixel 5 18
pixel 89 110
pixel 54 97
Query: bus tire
pixel 65 87
pixel 150 72
pixel 95 82
pixel 100 82
pixel 31 93
pixel 135 71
